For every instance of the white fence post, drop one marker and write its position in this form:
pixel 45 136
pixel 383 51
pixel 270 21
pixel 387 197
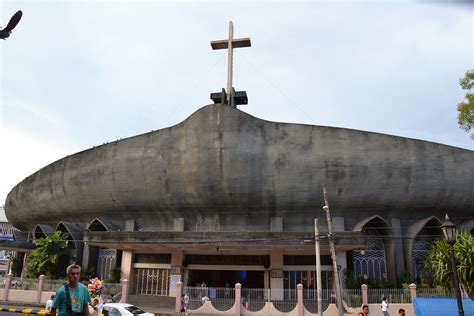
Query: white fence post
pixel 124 296
pixel 237 303
pixel 300 299
pixel 40 288
pixel 412 292
pixel 365 296
pixel 8 283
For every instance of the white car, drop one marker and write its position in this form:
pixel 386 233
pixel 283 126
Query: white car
pixel 122 309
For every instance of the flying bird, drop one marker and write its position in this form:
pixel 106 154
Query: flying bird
pixel 5 33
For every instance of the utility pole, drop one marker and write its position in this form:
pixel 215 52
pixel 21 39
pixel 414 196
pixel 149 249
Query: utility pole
pixel 318 268
pixel 333 255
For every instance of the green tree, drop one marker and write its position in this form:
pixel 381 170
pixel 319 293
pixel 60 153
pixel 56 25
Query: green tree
pixel 466 108
pixel 46 258
pixel 438 263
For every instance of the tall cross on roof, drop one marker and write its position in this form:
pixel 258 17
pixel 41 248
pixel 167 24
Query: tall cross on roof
pixel 230 44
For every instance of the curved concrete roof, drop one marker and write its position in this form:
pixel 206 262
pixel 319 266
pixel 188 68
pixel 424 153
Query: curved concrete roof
pixel 222 159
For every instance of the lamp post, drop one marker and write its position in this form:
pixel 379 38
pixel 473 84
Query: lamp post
pixel 449 232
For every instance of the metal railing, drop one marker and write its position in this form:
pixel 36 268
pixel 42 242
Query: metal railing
pixel 432 292
pixel 222 298
pixel 53 285
pixel 375 296
pixel 111 292
pixel 352 297
pixel 284 300
pixel 24 284
pixel 253 299
pixel 310 297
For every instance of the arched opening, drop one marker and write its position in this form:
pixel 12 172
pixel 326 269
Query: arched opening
pixel 97 226
pixel 42 231
pixel 39 233
pixel 371 262
pixel 74 240
pixel 103 259
pixel 422 243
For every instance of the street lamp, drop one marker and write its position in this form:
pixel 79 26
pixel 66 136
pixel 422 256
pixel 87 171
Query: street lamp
pixel 449 232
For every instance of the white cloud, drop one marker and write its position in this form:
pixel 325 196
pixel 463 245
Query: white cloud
pixel 21 155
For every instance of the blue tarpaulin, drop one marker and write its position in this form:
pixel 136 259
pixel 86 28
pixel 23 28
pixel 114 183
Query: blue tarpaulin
pixel 442 307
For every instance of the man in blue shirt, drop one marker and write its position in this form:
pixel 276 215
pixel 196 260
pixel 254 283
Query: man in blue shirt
pixel 79 297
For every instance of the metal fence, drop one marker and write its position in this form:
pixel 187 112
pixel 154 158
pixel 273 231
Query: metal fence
pixel 253 299
pixel 284 300
pixel 222 298
pixel 375 296
pixel 53 285
pixel 24 284
pixel 310 299
pixel 352 297
pixel 432 292
pixel 111 292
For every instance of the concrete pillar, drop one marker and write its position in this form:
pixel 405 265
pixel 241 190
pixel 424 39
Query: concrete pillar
pixel 300 299
pixel 125 291
pixel 412 292
pixel 8 283
pixel 365 296
pixel 237 303
pixel 276 273
pixel 179 293
pixel 398 243
pixel 40 288
pixel 127 268
pixel 266 282
pixel 176 273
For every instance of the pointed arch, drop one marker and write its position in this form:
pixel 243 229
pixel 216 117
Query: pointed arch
pixel 76 235
pixel 42 231
pixel 360 225
pixel 99 225
pixel 379 249
pixel 96 225
pixel 468 226
pixel 74 231
pixel 433 226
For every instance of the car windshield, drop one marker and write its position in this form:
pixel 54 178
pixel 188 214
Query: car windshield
pixel 134 310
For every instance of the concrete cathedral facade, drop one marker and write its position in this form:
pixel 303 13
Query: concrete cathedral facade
pixel 224 197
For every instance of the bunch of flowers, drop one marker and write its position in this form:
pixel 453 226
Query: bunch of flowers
pixel 95 287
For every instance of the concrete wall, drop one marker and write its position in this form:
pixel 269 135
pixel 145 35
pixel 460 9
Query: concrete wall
pixel 222 169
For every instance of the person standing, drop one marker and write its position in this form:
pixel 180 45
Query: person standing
pixel 49 303
pixel 72 299
pixel 385 306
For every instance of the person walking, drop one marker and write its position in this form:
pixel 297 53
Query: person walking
pixel 384 306
pixel 72 299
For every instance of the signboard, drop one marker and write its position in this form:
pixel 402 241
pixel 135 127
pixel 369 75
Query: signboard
pixel 175 271
pixel 276 273
pixel 174 279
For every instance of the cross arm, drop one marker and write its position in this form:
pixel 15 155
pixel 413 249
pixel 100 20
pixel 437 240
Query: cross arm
pixel 236 43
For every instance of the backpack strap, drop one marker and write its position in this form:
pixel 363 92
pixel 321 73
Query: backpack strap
pixel 68 300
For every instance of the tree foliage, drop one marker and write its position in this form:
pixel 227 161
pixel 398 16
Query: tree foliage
pixel 46 258
pixel 466 108
pixel 438 263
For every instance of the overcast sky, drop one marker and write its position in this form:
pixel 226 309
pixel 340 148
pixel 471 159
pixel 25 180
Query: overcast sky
pixel 75 74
